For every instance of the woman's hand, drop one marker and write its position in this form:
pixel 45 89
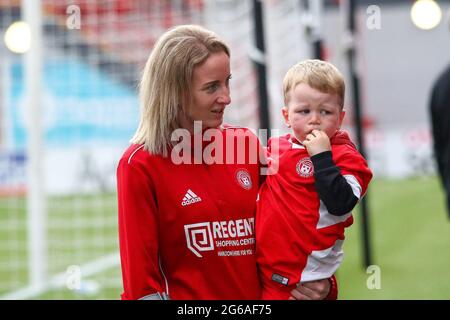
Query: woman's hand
pixel 312 290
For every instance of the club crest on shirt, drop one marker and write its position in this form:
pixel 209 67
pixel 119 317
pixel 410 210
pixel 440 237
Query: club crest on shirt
pixel 305 168
pixel 244 179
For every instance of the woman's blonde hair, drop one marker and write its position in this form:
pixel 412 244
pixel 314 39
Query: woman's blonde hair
pixel 317 74
pixel 165 87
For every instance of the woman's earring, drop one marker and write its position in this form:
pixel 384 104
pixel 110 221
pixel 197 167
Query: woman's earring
pixel 288 125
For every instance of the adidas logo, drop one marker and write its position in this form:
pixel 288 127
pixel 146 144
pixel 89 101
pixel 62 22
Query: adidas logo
pixel 190 198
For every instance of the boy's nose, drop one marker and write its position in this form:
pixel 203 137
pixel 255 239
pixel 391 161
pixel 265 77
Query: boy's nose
pixel 315 118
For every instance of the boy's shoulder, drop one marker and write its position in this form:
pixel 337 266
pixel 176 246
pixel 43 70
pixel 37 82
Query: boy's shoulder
pixel 285 140
pixel 343 147
pixel 282 143
pixel 342 138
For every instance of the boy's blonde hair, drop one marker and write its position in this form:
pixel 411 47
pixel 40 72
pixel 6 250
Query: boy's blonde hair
pixel 317 74
pixel 165 89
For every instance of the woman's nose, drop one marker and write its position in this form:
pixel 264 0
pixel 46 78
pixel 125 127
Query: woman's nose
pixel 225 97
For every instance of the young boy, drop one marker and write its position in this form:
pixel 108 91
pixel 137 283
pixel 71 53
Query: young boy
pixel 304 208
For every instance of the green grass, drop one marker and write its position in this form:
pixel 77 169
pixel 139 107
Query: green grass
pixel 80 229
pixel 409 227
pixel 410 241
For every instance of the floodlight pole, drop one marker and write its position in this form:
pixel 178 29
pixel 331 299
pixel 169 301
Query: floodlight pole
pixel 354 78
pixel 259 59
pixel 36 206
pixel 312 21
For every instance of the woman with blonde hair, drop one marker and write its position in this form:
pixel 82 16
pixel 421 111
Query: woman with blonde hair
pixel 186 227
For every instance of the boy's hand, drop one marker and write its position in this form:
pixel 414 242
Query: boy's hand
pixel 317 142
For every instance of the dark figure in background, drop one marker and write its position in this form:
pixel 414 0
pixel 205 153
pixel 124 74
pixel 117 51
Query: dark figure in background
pixel 440 121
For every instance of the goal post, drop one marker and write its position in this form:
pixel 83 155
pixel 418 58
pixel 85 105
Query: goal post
pixel 36 206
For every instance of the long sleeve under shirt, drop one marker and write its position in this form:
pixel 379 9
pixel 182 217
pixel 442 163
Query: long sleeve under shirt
pixel 333 189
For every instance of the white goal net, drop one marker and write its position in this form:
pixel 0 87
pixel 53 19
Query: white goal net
pixel 92 56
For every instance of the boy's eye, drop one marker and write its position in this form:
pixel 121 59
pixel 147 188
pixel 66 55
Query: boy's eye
pixel 325 112
pixel 304 111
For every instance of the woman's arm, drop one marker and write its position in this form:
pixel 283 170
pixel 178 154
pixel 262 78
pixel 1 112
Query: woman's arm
pixel 138 232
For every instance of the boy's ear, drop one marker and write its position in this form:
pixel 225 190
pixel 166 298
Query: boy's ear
pixel 341 117
pixel 285 113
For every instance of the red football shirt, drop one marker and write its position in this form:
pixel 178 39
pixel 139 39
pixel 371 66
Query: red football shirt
pixel 187 230
pixel 297 238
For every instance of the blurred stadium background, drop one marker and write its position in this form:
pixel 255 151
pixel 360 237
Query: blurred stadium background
pixel 61 136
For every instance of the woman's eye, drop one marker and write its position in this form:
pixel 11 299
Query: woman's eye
pixel 212 88
pixel 228 80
